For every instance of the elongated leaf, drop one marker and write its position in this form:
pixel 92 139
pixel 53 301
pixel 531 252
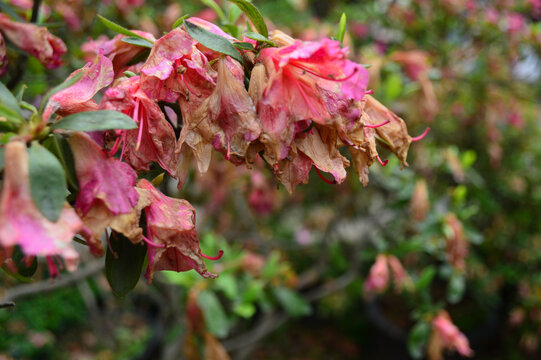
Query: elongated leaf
pixel 456 288
pixel 258 37
pixel 417 339
pixel 95 120
pixel 213 41
pixel 124 272
pixel 47 181
pixel 66 84
pixel 179 21
pixel 59 146
pixel 215 317
pixel 9 106
pixel 292 302
pixel 119 29
pixel 254 15
pixel 244 46
pixel 341 29
pixel 137 41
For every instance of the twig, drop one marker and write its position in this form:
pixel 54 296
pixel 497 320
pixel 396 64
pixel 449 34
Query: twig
pixel 46 286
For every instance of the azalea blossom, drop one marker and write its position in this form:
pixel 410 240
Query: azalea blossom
pixel 36 40
pixel 172 240
pixel 154 140
pixel 23 224
pixel 307 81
pixel 446 336
pixel 378 278
pixel 106 187
pixel 78 97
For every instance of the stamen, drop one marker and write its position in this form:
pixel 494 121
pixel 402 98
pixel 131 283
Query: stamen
pixel 305 97
pixel 51 266
pixel 123 146
pixel 330 182
pixel 188 86
pixel 308 70
pixel 217 257
pixel 378 125
pixel 153 244
pixel 369 92
pixel 420 137
pixel 114 149
pixel 381 162
pixel 140 121
pixel 228 155
pixel 345 139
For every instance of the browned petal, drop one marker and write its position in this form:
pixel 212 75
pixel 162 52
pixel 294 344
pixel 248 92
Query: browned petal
pixel 394 134
pixel 294 169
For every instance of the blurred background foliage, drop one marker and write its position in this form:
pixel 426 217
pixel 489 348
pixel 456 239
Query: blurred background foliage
pixel 463 218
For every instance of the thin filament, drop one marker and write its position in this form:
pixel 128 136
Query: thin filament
pixel 308 70
pixel 382 163
pixel 420 137
pixel 217 257
pixel 378 125
pixel 330 182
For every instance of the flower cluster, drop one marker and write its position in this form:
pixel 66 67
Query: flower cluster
pixel 291 103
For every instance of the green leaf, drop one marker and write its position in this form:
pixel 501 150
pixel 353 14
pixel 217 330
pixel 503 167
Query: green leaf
pixel 215 317
pixel 258 37
pixel 254 15
pixel 456 288
pixel 244 46
pixel 292 302
pixel 120 29
pixel 426 278
pixel 213 41
pixel 214 6
pixel 137 41
pixel 180 20
pixel 9 106
pixel 95 120
pixel 228 284
pixel 124 272
pixel 59 146
pixel 245 310
pixel 341 29
pixel 47 181
pixel 417 339
pixel 66 84
pixel 393 86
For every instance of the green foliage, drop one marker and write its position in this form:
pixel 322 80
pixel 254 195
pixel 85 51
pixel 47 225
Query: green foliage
pixel 95 121
pixel 47 181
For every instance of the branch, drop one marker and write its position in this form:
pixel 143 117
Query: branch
pixel 46 286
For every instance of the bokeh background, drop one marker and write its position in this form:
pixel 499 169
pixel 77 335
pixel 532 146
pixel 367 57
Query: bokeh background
pixel 463 218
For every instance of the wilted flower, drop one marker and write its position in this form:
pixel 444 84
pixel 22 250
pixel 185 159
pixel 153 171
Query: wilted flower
pixel 419 202
pixel 226 120
pixel 154 140
pixel 36 40
pixel 457 244
pixel 172 240
pixel 78 97
pixel 107 187
pixel 119 52
pixel 22 223
pixel 378 279
pixel 446 336
pixel 307 81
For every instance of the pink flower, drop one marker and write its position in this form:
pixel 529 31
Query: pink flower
pixel 3 56
pixel 36 40
pixel 78 97
pixel 262 196
pixel 106 187
pixel 445 335
pixel 172 240
pixel 125 6
pixel 118 51
pixel 22 223
pixel 307 81
pixel 401 277
pixel 69 14
pixel 515 23
pixel 154 140
pixel 378 278
pixel 176 67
